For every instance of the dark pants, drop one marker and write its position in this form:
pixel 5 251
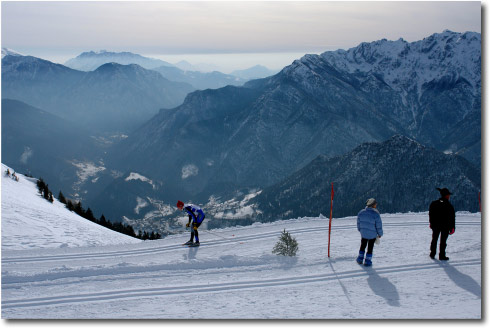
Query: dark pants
pixel 369 243
pixel 442 247
pixel 194 231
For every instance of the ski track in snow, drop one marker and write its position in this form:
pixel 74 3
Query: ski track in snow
pixel 70 281
pixel 171 248
pixel 228 287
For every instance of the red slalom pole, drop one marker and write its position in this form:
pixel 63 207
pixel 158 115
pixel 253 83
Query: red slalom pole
pixel 330 221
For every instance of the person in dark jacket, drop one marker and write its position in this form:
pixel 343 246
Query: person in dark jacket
pixel 370 226
pixel 442 221
pixel 196 216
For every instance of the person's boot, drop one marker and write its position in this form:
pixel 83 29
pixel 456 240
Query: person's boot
pixel 367 261
pixel 360 258
pixel 443 258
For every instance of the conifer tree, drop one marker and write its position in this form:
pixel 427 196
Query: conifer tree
pixel 61 198
pixel 89 215
pixel 79 209
pixel 41 185
pixel 131 231
pixel 46 192
pixel 287 245
pixel 69 205
pixel 102 221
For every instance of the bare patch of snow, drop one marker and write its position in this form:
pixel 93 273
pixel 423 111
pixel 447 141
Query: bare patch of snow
pixel 86 170
pixel 137 176
pixel 26 155
pixel 140 203
pixel 189 170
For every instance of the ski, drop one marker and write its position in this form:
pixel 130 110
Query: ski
pixel 191 244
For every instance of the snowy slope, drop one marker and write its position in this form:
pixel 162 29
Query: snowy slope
pixel 29 221
pixel 234 275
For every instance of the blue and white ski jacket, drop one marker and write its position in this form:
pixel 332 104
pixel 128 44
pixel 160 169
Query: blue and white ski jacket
pixel 195 212
pixel 369 223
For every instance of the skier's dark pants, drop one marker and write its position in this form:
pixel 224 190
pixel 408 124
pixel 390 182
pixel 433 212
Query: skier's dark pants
pixel 194 231
pixel 442 247
pixel 369 243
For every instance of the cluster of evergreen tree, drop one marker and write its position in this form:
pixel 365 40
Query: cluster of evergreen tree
pixel 145 235
pixel 89 215
pixel 44 190
pixel 118 226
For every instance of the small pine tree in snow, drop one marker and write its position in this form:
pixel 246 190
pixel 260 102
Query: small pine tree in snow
pixel 286 245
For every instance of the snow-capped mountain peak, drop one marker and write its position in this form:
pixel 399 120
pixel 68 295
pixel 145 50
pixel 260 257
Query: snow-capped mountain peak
pixel 404 65
pixel 10 52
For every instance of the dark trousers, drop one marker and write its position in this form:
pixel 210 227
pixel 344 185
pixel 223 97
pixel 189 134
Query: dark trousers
pixel 369 243
pixel 442 247
pixel 194 231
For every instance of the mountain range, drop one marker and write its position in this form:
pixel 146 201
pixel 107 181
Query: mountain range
pixel 400 173
pixel 113 98
pixel 236 140
pixel 200 80
pixel 91 60
pixel 104 91
pixel 179 72
pixel 256 135
pixel 255 72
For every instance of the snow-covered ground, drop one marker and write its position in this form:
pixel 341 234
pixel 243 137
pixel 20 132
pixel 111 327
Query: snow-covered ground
pixel 234 275
pixel 30 221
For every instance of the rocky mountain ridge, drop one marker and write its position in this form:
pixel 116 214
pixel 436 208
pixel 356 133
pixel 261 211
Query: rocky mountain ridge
pixel 400 173
pixel 256 135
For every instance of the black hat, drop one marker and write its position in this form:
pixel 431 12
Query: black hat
pixel 444 191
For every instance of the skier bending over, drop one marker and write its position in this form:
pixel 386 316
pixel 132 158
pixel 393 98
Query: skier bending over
pixel 370 226
pixel 196 216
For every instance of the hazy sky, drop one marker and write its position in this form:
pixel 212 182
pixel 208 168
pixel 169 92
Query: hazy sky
pixel 272 32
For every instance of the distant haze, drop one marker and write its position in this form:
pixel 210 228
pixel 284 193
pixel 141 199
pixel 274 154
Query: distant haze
pixel 230 35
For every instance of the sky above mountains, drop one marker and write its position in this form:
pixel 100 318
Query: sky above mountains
pixel 230 34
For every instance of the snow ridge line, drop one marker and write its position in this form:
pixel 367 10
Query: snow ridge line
pixel 213 242
pixel 225 287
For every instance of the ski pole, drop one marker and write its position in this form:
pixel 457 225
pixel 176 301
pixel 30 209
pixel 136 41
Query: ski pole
pixel 218 235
